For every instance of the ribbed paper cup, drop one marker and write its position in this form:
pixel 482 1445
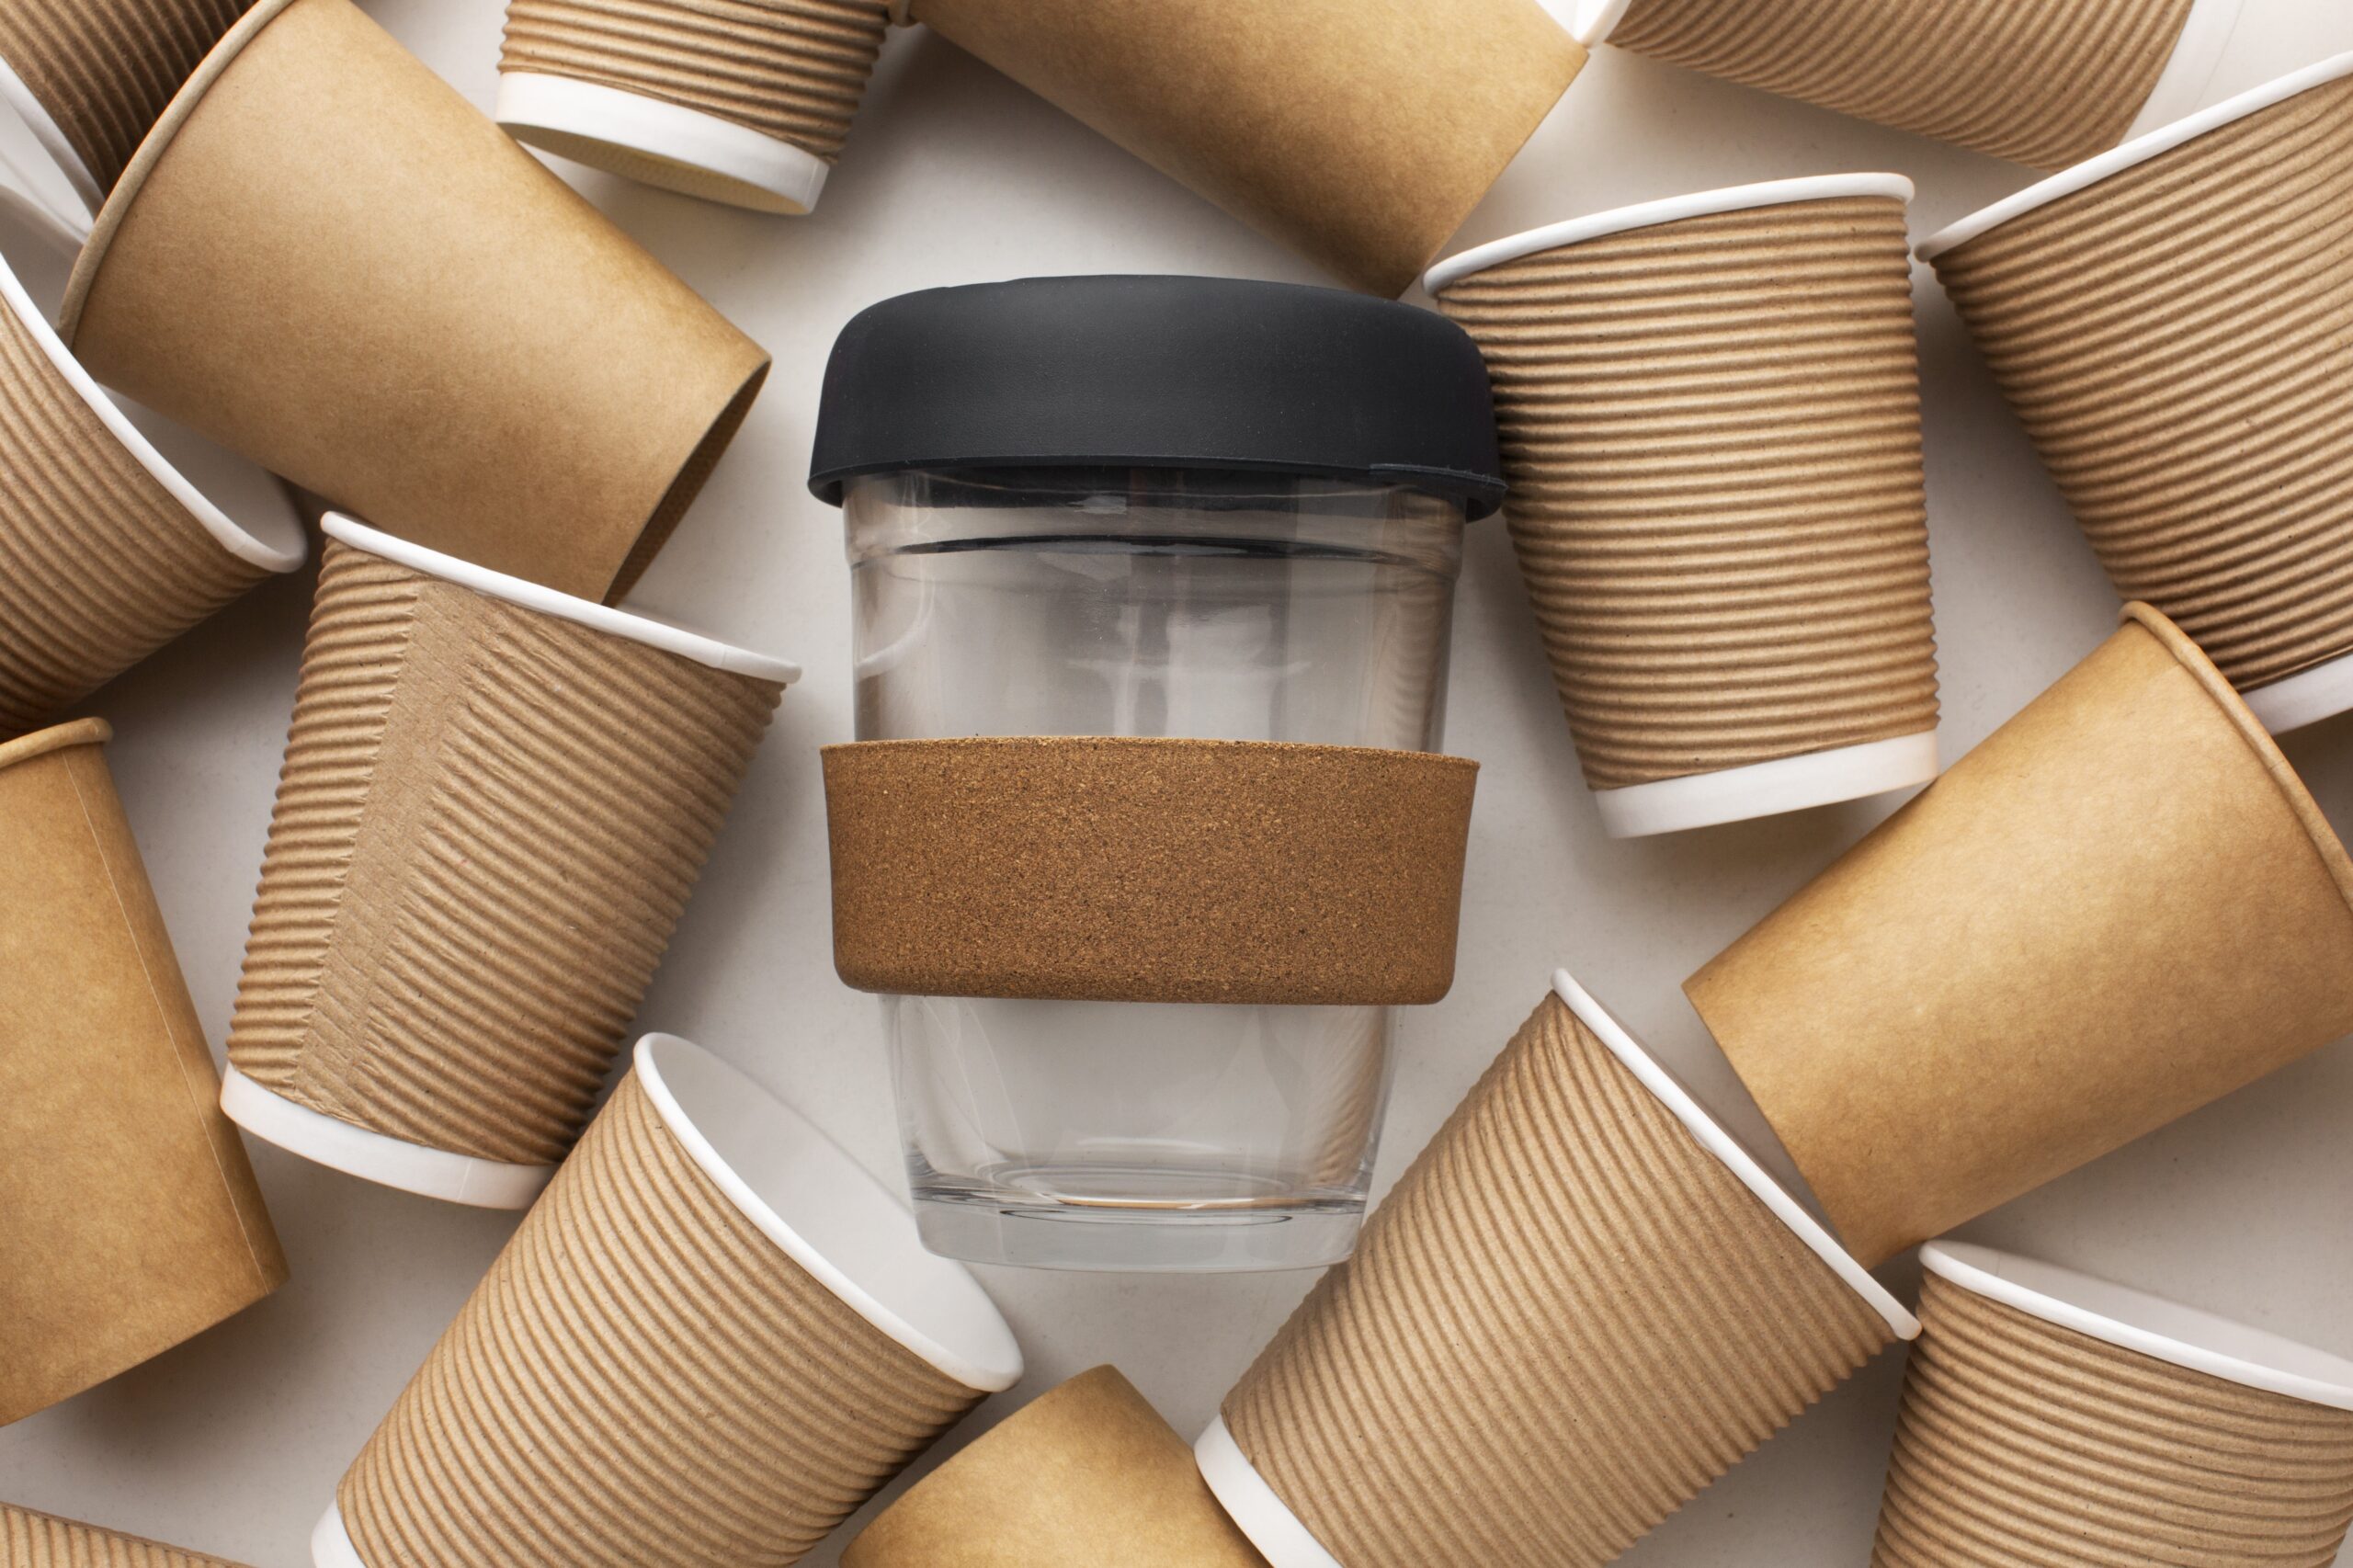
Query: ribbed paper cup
pixel 2170 322
pixel 1582 1304
pixel 1711 415
pixel 2122 906
pixel 746 102
pixel 107 551
pixel 128 1218
pixel 38 1540
pixel 325 258
pixel 1086 1476
pixel 2053 1419
pixel 494 804
pixel 2043 83
pixel 710 1342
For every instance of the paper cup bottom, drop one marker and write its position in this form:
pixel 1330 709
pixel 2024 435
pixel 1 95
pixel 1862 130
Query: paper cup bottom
pixel 331 1543
pixel 373 1157
pixel 2305 697
pixel 1768 788
pixel 662 144
pixel 1246 1498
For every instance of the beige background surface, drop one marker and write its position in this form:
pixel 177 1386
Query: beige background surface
pixel 234 1443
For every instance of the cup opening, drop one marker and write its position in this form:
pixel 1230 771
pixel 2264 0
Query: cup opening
pixel 687 484
pixel 1591 22
pixel 1254 1506
pixel 825 1210
pixel 2198 53
pixel 663 145
pixel 43 126
pixel 2135 1320
pixel 58 737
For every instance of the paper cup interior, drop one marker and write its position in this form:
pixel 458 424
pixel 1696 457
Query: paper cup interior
pixel 2135 1320
pixel 2206 34
pixel 1590 21
pixel 833 1218
pixel 41 127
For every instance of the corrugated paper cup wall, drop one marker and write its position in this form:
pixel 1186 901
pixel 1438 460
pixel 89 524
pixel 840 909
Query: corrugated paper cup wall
pixel 95 75
pixel 1580 1306
pixel 2170 323
pixel 36 1540
pixel 1711 414
pixel 710 1342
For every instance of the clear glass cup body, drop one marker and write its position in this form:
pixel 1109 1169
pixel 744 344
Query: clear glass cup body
pixel 1211 607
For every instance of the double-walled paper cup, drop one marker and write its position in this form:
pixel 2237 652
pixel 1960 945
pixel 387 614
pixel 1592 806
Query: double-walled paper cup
pixel 2171 320
pixel 2040 83
pixel 325 258
pixel 38 1540
pixel 1087 1476
pixel 2119 908
pixel 746 102
pixel 495 802
pixel 712 1340
pixel 1360 135
pixel 2049 1418
pixel 1710 415
pixel 1582 1304
pixel 128 1218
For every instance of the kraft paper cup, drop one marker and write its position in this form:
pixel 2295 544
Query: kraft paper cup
pixel 128 1218
pixel 325 258
pixel 2170 322
pixel 710 1342
pixel 2037 83
pixel 2051 1417
pixel 1086 1476
pixel 1710 417
pixel 38 1540
pixel 1582 1304
pixel 1360 135
pixel 495 802
pixel 2120 907
pixel 746 102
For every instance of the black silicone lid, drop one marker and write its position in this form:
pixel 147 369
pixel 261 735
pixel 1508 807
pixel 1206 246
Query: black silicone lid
pixel 1187 373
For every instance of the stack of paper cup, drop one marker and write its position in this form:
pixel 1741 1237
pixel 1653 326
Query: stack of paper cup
pixel 710 1342
pixel 2170 322
pixel 1582 1304
pixel 325 258
pixel 746 102
pixel 107 551
pixel 36 1540
pixel 128 1218
pixel 1087 1476
pixel 2120 907
pixel 1711 413
pixel 2049 1418
pixel 2045 85
pixel 494 804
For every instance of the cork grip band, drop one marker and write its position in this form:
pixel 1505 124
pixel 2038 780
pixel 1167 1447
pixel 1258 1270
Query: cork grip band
pixel 1134 870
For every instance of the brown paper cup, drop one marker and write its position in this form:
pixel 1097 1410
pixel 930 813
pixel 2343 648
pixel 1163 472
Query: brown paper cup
pixel 709 1343
pixel 2053 1419
pixel 2170 322
pixel 1582 1304
pixel 1360 135
pixel 2043 83
pixel 36 1540
pixel 2120 907
pixel 746 102
pixel 1087 1476
pixel 1710 417
pixel 495 802
pixel 326 259
pixel 91 77
pixel 128 1218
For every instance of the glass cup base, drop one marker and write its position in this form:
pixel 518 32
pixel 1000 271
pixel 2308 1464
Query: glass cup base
pixel 1023 1231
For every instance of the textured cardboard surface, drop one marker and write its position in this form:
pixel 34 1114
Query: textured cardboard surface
pixel 489 822
pixel 1127 870
pixel 326 259
pixel 1086 1476
pixel 1711 429
pixel 36 1541
pixel 643 1380
pixel 1567 1319
pixel 1360 135
pixel 2044 84
pixel 792 69
pixel 2174 338
pixel 2120 907
pixel 105 69
pixel 99 565
pixel 2023 1444
pixel 128 1218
